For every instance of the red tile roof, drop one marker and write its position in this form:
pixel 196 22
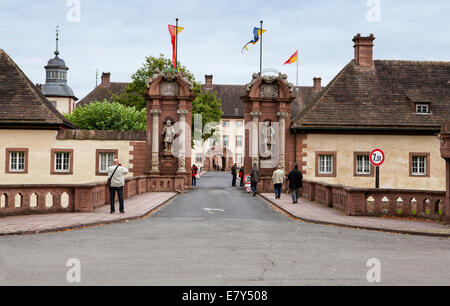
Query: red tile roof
pixel 382 97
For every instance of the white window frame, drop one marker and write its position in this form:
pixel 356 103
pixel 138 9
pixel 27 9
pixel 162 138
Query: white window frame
pixel 227 140
pixel 325 164
pixel 363 166
pixel 422 108
pixel 199 158
pixel 239 143
pixel 419 165
pixel 17 161
pixel 238 158
pixel 64 159
pixel 105 160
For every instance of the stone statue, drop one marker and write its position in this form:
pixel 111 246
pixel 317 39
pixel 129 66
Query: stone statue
pixel 267 132
pixel 168 133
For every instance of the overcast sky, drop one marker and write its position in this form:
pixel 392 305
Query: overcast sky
pixel 115 36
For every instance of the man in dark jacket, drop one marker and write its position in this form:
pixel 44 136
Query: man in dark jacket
pixel 254 179
pixel 295 183
pixel 234 174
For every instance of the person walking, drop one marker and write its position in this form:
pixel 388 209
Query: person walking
pixel 234 174
pixel 254 179
pixel 116 182
pixel 295 183
pixel 194 175
pixel 241 176
pixel 278 179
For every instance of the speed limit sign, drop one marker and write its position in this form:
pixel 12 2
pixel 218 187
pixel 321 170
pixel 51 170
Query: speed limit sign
pixel 377 157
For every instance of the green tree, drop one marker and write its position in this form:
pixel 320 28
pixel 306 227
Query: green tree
pixel 206 104
pixel 108 116
pixel 132 95
pixel 209 106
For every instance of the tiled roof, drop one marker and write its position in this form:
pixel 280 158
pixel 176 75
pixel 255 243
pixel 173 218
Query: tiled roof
pixel 100 93
pixel 382 97
pixel 21 102
pixel 304 96
pixel 230 96
pixel 232 105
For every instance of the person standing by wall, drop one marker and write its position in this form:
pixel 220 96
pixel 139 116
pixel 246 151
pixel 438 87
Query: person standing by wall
pixel 194 175
pixel 116 182
pixel 234 174
pixel 278 179
pixel 241 175
pixel 254 179
pixel 295 183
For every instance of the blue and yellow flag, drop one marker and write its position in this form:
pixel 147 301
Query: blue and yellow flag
pixel 257 32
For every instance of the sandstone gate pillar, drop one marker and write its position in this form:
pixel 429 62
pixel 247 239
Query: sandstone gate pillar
pixel 267 113
pixel 169 102
pixel 445 153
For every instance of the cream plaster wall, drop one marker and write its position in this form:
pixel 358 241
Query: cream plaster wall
pixel 63 105
pixel 394 173
pixel 40 143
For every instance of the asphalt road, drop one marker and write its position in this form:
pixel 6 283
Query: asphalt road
pixel 219 235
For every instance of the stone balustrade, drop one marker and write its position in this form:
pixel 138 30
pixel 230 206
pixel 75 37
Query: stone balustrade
pixel 378 202
pixel 44 199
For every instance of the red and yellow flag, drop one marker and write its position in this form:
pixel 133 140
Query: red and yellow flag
pixel 293 58
pixel 174 31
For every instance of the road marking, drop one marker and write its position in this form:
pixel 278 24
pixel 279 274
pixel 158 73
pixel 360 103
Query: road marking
pixel 213 209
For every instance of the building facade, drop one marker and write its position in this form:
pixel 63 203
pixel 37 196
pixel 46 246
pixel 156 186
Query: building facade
pixel 396 106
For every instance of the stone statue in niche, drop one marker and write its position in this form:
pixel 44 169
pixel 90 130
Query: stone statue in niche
pixel 168 133
pixel 267 132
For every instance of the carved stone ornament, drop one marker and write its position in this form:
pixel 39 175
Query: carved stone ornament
pixel 269 90
pixel 170 76
pixel 181 162
pixel 255 78
pixel 169 88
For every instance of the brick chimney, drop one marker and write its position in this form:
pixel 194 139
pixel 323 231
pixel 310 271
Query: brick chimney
pixel 208 82
pixel 317 83
pixel 106 79
pixel 364 50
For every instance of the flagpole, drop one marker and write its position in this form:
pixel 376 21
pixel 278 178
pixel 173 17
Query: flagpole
pixel 297 68
pixel 260 50
pixel 176 44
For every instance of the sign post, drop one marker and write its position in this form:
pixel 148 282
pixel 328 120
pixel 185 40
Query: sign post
pixel 377 159
pixel 247 182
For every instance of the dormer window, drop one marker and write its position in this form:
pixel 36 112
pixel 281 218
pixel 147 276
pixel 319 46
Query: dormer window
pixel 422 108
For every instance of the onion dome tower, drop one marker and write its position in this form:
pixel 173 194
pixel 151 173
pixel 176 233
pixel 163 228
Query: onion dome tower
pixel 55 88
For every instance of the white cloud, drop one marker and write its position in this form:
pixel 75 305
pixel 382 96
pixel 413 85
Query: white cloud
pixel 115 36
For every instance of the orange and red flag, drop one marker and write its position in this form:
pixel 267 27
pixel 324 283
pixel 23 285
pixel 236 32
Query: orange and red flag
pixel 292 59
pixel 174 31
